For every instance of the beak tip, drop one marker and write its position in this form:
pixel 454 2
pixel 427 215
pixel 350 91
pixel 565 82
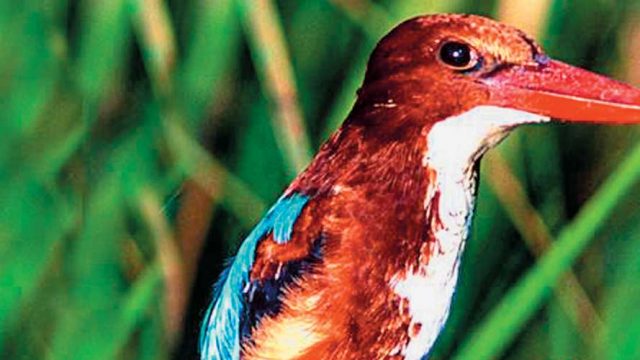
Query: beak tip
pixel 562 91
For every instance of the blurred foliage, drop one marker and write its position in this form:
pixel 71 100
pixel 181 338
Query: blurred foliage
pixel 141 140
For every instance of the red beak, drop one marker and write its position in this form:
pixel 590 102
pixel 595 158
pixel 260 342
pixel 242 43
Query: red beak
pixel 565 92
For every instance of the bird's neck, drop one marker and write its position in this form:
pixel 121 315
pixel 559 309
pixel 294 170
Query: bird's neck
pixel 454 147
pixel 427 286
pixel 399 218
pixel 396 208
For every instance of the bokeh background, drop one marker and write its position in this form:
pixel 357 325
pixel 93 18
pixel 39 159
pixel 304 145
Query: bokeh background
pixel 140 140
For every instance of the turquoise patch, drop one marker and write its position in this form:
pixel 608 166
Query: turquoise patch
pixel 220 332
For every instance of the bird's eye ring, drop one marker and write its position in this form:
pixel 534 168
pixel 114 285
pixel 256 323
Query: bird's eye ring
pixel 458 56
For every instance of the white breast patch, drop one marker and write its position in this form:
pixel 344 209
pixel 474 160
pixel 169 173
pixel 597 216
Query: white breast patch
pixel 453 147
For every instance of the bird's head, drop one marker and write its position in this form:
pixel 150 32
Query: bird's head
pixel 446 65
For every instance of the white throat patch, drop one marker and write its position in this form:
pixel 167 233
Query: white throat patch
pixel 453 147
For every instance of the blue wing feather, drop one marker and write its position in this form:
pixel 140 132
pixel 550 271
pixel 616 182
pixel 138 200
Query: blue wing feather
pixel 220 332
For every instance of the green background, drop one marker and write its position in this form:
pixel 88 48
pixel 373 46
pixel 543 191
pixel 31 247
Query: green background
pixel 140 140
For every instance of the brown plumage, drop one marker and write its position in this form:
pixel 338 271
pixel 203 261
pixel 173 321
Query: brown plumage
pixel 372 260
pixel 369 184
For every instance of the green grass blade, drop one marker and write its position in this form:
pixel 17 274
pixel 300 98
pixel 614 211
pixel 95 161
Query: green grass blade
pixel 505 322
pixel 618 338
pixel 271 58
pixel 156 36
pixel 34 213
pixel 103 35
pixel 210 53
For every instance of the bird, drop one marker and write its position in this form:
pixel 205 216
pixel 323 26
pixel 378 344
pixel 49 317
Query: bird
pixel 359 257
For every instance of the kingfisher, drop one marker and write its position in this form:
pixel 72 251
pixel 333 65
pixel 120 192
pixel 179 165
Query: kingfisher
pixel 359 258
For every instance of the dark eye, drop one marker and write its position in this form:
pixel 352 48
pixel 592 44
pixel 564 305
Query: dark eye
pixel 458 56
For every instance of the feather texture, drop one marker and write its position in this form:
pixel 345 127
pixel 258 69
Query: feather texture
pixel 370 269
pixel 220 334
